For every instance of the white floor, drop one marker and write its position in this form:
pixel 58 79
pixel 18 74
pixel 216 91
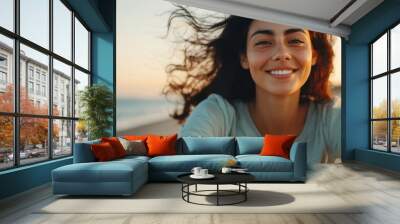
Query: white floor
pixel 379 190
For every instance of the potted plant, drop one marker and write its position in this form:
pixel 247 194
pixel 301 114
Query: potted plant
pixel 96 102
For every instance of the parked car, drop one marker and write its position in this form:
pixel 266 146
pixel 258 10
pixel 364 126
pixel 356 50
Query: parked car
pixel 22 155
pixel 10 156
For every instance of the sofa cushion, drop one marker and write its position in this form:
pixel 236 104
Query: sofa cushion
pixel 103 152
pixel 277 145
pixel 161 145
pixel 116 145
pixel 185 163
pixel 249 145
pixel 132 158
pixel 134 147
pixel 257 163
pixel 207 145
pixel 111 171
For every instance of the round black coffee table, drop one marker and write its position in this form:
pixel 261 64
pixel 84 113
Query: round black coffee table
pixel 238 179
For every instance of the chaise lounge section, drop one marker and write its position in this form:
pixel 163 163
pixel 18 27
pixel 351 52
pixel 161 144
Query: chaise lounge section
pixel 125 176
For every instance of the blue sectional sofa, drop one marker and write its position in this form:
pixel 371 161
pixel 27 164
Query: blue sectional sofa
pixel 125 176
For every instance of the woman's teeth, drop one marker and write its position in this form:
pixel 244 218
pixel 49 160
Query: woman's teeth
pixel 281 72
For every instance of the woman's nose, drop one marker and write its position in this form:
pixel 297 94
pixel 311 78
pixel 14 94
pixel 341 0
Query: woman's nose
pixel 281 53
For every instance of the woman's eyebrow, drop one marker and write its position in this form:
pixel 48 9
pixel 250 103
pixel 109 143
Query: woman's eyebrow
pixel 270 32
pixel 290 31
pixel 267 32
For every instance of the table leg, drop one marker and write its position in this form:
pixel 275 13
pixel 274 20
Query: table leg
pixel 196 188
pixel 182 188
pixel 217 194
pixel 245 193
pixel 188 189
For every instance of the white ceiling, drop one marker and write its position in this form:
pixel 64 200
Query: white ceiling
pixel 318 15
pixel 321 9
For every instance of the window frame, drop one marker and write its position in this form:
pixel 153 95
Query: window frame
pixel 16 115
pixel 388 74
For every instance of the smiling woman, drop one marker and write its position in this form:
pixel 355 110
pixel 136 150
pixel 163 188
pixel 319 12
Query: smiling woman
pixel 257 78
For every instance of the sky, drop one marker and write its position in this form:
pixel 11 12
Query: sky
pixel 379 52
pixel 142 55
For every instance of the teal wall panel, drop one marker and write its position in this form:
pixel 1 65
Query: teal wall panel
pixel 103 63
pixel 102 58
pixel 24 178
pixel 379 159
pixel 356 84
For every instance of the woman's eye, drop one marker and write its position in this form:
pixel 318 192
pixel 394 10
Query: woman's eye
pixel 296 41
pixel 263 43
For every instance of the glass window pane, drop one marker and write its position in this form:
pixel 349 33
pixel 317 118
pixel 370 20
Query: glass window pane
pixel 379 98
pixel 395 47
pixel 395 136
pixel 35 21
pixel 6 74
pixel 62 89
pixel 62 138
pixel 81 131
pixel 62 29
pixel 33 139
pixel 81 81
pixel 395 94
pixel 34 72
pixel 81 45
pixel 7 14
pixel 6 142
pixel 379 135
pixel 379 55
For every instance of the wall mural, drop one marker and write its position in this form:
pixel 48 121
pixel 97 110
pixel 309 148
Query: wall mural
pixel 195 72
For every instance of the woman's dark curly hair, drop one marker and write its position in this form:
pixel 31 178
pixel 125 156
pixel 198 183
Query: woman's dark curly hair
pixel 212 64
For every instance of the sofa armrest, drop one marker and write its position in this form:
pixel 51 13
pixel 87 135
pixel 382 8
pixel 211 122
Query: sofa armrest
pixel 83 152
pixel 298 155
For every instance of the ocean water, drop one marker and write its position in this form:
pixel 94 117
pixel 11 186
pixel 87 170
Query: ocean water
pixel 134 112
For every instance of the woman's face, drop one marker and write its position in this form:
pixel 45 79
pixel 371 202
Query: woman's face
pixel 278 57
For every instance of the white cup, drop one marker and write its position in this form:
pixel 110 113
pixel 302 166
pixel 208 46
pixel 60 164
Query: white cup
pixel 226 170
pixel 196 170
pixel 203 172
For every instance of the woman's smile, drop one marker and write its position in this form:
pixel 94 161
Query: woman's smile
pixel 281 73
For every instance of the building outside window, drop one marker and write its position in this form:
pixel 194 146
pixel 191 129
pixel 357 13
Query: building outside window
pixel 37 75
pixel 3 78
pixel 44 77
pixel 55 96
pixel 38 89
pixel 43 90
pixel 3 61
pixel 30 87
pixel 3 72
pixel 30 72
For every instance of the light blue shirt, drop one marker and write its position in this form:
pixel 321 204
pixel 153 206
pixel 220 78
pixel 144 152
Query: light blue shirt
pixel 215 116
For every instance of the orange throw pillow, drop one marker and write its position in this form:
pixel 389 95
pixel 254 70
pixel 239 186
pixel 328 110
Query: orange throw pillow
pixel 103 151
pixel 161 145
pixel 135 137
pixel 277 145
pixel 116 145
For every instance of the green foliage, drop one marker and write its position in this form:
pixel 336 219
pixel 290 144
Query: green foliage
pixel 96 102
pixel 380 127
